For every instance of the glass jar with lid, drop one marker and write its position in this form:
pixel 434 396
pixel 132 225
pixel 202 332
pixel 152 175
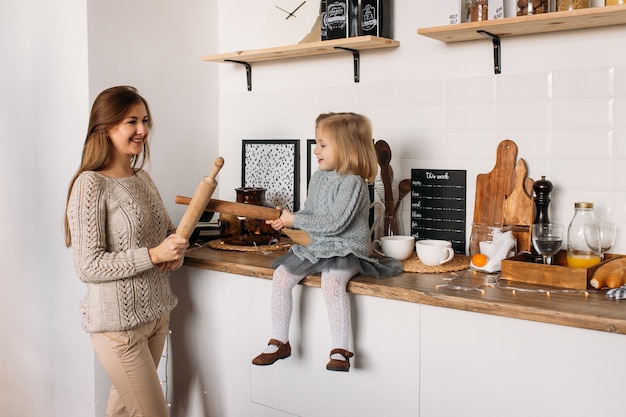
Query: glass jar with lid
pixel 565 5
pixel 531 7
pixel 479 10
pixel 583 237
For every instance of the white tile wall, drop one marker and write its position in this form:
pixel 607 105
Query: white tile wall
pixel 561 97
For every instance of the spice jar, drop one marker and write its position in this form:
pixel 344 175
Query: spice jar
pixel 583 237
pixel 565 5
pixel 530 7
pixel 613 2
pixel 479 10
pixel 495 241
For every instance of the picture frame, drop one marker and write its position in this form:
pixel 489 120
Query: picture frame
pixel 311 162
pixel 275 166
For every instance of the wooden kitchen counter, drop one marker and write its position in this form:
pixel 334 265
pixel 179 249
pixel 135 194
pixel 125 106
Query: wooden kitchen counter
pixel 465 290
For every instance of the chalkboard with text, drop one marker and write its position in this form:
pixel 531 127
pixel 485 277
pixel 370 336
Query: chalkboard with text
pixel 438 205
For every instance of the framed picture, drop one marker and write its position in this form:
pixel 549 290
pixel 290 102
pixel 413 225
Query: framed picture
pixel 311 162
pixel 273 165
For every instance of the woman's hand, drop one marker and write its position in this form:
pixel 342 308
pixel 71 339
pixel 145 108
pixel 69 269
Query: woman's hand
pixel 171 265
pixel 171 249
pixel 285 220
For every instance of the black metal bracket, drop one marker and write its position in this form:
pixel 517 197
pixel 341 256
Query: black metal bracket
pixel 248 71
pixel 356 57
pixel 497 67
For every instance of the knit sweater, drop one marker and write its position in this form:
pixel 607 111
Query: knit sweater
pixel 113 222
pixel 335 215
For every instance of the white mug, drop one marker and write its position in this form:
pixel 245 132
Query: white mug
pixel 434 252
pixel 397 246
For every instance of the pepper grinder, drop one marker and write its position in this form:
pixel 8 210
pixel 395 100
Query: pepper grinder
pixel 542 189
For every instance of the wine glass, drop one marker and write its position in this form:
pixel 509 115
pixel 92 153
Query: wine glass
pixel 605 232
pixel 547 239
pixel 607 237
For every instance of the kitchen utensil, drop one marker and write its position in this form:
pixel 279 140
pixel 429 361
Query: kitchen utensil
pixel 404 187
pixel 383 155
pixel 250 210
pixel 198 203
pixel 493 188
pixel 238 209
pixel 518 208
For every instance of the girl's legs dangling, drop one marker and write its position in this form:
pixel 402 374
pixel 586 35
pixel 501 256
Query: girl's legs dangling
pixel 282 304
pixel 334 284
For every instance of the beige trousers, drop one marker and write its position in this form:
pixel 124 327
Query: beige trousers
pixel 130 359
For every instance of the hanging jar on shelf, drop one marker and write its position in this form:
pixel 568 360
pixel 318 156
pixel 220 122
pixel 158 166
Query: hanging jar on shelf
pixel 567 5
pixel 479 10
pixel 531 7
pixel 583 237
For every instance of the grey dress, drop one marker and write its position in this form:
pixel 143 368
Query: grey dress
pixel 335 215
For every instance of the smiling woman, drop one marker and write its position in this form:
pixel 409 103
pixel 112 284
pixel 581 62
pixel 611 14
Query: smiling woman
pixel 294 21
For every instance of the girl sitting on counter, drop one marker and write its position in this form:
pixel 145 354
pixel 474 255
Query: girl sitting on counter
pixel 335 215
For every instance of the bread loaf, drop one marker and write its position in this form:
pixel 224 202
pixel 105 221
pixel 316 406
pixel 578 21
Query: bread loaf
pixel 610 275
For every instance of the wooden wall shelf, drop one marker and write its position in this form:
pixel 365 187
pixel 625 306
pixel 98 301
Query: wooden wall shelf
pixel 353 45
pixel 528 25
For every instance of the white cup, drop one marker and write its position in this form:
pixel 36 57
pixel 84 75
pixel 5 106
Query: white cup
pixel 434 252
pixel 397 246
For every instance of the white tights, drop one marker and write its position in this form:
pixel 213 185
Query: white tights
pixel 337 302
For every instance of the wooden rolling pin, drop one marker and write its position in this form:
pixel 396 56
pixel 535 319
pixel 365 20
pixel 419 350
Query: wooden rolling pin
pixel 238 209
pixel 199 201
pixel 250 210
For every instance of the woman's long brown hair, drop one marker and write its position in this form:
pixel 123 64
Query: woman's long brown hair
pixel 109 109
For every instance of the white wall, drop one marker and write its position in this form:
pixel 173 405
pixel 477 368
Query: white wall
pixel 56 57
pixel 560 97
pixel 46 366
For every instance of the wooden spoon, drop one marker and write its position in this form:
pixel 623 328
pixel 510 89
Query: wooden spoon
pixel 383 154
pixel 404 187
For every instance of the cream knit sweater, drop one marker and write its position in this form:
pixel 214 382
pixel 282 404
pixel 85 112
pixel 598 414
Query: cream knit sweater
pixel 113 222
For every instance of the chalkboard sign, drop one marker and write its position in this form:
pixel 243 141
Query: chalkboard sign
pixel 438 205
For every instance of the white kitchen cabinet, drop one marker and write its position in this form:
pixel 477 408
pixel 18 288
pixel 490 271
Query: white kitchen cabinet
pixel 482 365
pixel 410 359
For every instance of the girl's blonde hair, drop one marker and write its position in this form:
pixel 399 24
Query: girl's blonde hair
pixel 109 109
pixel 351 135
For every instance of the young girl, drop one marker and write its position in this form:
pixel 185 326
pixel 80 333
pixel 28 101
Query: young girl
pixel 123 245
pixel 335 215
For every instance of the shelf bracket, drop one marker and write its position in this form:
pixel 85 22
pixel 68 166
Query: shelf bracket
pixel 356 57
pixel 497 66
pixel 248 71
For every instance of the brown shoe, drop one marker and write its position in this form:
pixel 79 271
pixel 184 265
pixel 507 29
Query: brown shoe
pixel 337 364
pixel 284 351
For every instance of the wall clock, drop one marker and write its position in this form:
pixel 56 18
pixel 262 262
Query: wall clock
pixel 294 21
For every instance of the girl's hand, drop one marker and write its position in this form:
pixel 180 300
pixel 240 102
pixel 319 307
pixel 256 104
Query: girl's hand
pixel 285 220
pixel 278 223
pixel 171 249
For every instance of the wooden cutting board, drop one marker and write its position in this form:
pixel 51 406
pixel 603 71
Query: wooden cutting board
pixel 519 207
pixel 495 187
pixel 492 188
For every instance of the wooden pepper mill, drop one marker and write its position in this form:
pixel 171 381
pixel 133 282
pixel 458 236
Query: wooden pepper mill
pixel 542 189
